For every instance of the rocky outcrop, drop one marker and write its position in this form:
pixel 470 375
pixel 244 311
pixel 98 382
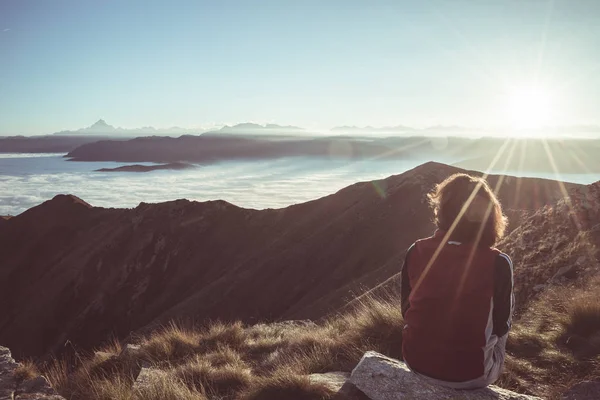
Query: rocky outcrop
pixel 383 378
pixel 8 382
pixel 557 244
pixel 13 388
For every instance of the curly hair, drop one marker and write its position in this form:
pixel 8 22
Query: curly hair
pixel 467 207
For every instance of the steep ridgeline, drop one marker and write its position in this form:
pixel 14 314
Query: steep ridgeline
pixel 559 243
pixel 70 271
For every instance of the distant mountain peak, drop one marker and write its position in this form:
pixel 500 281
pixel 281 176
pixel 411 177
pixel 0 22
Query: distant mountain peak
pixel 67 199
pixel 102 128
pixel 100 122
pixel 99 126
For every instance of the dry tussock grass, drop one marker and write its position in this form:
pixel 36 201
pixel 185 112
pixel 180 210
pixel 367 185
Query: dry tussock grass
pixel 218 334
pixel 164 387
pixel 583 319
pixel 115 388
pixel 227 360
pixel 287 385
pixel 168 388
pixel 373 323
pixel 222 381
pixel 57 373
pixel 224 356
pixel 554 343
pixel 27 369
pixel 263 362
pixel 171 344
pixel 92 376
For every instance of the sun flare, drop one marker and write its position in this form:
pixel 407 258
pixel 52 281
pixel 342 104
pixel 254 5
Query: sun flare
pixel 529 107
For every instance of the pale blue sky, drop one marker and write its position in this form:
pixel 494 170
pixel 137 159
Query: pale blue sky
pixel 66 63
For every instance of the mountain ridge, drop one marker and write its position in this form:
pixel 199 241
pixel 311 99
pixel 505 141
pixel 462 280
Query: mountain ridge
pixel 577 156
pixel 81 273
pixel 102 128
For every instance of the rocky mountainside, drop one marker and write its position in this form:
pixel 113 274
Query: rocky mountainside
pixel 559 243
pixel 77 273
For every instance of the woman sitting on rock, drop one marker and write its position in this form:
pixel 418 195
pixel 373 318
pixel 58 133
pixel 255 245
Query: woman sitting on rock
pixel 457 289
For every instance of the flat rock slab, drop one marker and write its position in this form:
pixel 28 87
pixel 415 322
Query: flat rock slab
pixel 383 378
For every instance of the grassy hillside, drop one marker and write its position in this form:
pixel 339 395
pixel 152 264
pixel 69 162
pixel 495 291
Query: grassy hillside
pixel 555 340
pixel 556 343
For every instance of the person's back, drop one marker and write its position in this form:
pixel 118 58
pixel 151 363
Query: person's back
pixel 457 293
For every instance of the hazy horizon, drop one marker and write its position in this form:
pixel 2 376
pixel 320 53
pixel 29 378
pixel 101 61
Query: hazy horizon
pixel 502 65
pixel 568 131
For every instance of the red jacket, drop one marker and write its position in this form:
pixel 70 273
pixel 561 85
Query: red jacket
pixel 453 306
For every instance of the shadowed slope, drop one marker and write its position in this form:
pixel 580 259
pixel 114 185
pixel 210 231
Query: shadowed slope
pixel 79 273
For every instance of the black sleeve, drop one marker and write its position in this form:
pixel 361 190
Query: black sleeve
pixel 405 283
pixel 504 300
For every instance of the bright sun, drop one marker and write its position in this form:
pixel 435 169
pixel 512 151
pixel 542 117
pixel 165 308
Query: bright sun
pixel 529 107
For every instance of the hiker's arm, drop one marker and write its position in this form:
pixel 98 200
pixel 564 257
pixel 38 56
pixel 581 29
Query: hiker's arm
pixel 405 284
pixel 504 301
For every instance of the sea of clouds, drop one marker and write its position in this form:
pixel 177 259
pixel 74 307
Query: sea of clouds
pixel 28 181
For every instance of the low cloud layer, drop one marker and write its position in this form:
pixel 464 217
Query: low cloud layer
pixel 261 184
pixel 27 182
